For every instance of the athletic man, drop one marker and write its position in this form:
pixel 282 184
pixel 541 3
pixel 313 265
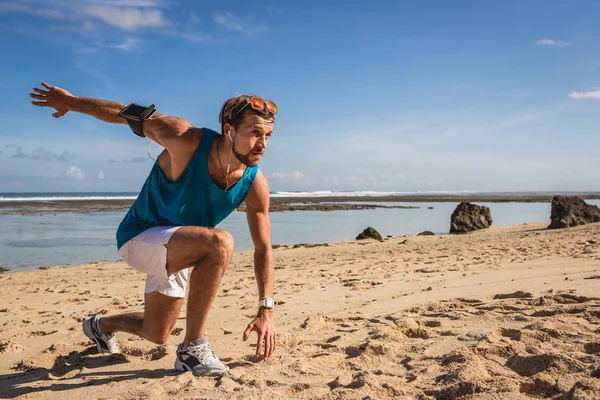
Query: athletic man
pixel 193 186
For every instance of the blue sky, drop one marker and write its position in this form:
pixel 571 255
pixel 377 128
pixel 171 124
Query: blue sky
pixel 381 95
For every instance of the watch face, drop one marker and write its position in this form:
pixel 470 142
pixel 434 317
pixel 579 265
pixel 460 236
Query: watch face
pixel 270 303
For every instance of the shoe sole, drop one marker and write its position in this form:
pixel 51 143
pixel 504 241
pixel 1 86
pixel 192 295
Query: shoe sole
pixel 87 329
pixel 183 367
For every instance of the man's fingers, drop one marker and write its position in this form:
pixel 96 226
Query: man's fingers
pixel 37 96
pixel 40 91
pixel 40 103
pixel 58 114
pixel 259 344
pixel 273 344
pixel 247 332
pixel 267 347
pixel 44 84
pixel 269 350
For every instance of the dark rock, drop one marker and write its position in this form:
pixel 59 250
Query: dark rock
pixel 3 270
pixel 468 217
pixel 369 233
pixel 426 233
pixel 308 245
pixel 430 208
pixel 572 211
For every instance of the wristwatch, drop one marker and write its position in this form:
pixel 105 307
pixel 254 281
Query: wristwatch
pixel 267 303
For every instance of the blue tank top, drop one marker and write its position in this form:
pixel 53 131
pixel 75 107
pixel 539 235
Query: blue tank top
pixel 193 199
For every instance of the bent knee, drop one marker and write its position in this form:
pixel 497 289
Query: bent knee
pixel 222 246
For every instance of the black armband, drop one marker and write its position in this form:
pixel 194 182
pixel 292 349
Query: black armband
pixel 135 115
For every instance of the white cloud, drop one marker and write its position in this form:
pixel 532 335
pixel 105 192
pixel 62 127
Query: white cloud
pixel 125 18
pixel 12 7
pixel 189 36
pixel 291 175
pixel 75 173
pixel 100 175
pixel 107 16
pixel 43 155
pixel 552 42
pixel 128 3
pixel 127 45
pixel 237 24
pixel 594 94
pixel 125 15
pixel 104 15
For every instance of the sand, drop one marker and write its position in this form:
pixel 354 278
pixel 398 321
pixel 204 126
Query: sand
pixel 506 313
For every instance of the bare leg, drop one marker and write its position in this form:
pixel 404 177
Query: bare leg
pixel 216 249
pixel 204 284
pixel 209 251
pixel 154 324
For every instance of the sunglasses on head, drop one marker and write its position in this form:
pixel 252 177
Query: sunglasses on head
pixel 259 104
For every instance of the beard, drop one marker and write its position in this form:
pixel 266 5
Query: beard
pixel 244 158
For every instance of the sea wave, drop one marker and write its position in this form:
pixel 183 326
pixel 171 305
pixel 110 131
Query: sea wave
pixel 66 198
pixel 330 193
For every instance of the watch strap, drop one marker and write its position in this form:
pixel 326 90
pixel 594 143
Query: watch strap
pixel 266 302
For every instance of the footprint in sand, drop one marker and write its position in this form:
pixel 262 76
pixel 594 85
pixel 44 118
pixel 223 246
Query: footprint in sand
pixel 149 354
pixel 10 347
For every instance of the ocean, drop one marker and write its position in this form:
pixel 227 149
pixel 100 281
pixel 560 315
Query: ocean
pixel 64 239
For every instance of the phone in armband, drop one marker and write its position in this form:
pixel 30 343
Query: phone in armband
pixel 135 115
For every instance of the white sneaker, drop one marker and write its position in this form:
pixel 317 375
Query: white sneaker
pixel 105 342
pixel 199 358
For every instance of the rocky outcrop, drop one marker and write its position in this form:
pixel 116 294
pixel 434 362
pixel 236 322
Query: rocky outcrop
pixel 469 217
pixel 572 211
pixel 369 233
pixel 426 233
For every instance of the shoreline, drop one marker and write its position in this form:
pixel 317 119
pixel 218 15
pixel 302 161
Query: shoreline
pixel 537 226
pixel 280 204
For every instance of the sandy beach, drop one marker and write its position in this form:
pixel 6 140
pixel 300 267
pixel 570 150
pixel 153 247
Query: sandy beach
pixel 505 313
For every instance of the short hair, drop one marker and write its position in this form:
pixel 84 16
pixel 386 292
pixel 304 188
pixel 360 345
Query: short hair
pixel 230 111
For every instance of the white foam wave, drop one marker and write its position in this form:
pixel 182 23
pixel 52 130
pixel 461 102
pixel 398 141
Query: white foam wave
pixel 329 193
pixel 63 198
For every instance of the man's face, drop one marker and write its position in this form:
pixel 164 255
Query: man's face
pixel 250 139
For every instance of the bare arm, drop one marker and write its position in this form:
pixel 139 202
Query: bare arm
pixel 257 212
pixel 164 130
pixel 104 110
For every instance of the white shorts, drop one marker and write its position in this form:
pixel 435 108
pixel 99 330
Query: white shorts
pixel 147 253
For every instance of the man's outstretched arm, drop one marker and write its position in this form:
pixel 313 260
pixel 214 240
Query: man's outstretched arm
pixel 164 130
pixel 257 213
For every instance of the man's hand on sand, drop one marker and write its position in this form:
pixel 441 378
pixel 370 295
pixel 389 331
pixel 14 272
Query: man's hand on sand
pixel 54 97
pixel 264 325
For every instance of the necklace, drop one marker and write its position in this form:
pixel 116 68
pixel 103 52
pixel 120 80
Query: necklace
pixel 221 166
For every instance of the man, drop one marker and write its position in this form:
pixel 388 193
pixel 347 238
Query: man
pixel 170 226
